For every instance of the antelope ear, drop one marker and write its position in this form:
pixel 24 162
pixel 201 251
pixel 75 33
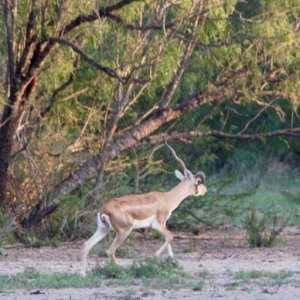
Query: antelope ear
pixel 179 175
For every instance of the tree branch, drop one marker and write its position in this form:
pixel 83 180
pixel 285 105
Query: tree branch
pixel 187 136
pixel 61 88
pixel 9 40
pixel 172 86
pixel 110 72
pixel 102 12
pixel 42 50
pixel 153 27
pixel 29 38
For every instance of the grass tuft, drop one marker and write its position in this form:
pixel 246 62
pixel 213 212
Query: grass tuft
pixel 156 267
pixel 110 271
pixel 31 278
pixel 199 285
pixel 155 272
pixel 158 272
pixel 263 277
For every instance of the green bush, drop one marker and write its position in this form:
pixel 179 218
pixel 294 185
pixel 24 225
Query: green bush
pixel 264 228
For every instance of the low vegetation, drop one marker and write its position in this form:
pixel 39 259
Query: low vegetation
pixel 262 279
pixel 153 272
pixel 264 229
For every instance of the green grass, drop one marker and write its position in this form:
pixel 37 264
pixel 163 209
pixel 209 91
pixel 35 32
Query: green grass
pixel 35 242
pixel 255 274
pixel 204 274
pixel 154 272
pixel 247 276
pixel 199 280
pixel 199 285
pixel 6 232
pixel 2 251
pixel 263 278
pixel 31 278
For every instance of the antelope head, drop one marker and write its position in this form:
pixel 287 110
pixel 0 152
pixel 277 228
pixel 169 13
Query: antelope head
pixel 196 182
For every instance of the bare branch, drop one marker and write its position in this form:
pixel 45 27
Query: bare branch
pixel 29 38
pixel 172 86
pixel 185 136
pixel 124 101
pixel 5 121
pixel 61 88
pixel 41 51
pixel 152 27
pixel 34 120
pixel 75 94
pixel 102 12
pixel 110 72
pixel 265 106
pixel 9 39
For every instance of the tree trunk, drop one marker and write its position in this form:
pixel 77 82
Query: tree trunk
pixel 7 132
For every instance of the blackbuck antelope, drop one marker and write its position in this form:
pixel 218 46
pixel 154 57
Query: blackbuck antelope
pixel 143 211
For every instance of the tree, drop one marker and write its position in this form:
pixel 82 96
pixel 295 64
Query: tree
pixel 143 65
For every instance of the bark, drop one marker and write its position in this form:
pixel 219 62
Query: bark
pixel 9 118
pixel 7 132
pixel 187 137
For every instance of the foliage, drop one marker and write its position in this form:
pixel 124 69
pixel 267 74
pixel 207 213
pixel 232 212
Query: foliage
pixel 153 267
pixel 263 278
pixel 199 285
pixel 264 228
pixel 6 230
pixel 156 269
pixel 155 272
pixel 33 241
pixel 31 278
pixel 200 280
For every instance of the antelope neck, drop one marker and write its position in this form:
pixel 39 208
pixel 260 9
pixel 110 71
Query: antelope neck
pixel 178 194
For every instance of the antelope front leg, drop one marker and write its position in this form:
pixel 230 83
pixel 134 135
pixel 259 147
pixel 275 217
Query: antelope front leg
pixel 170 252
pixel 168 235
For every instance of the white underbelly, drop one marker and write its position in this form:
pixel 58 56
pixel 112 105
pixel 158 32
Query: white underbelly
pixel 146 223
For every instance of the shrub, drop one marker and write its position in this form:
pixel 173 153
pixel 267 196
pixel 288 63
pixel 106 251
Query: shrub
pixel 264 228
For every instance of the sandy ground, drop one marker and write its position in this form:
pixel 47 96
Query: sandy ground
pixel 218 253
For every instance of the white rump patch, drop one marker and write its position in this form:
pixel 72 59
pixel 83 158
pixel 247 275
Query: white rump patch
pixel 104 220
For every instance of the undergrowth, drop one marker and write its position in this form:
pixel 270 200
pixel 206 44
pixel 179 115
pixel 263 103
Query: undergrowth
pixel 263 278
pixel 264 229
pixel 6 232
pixel 154 272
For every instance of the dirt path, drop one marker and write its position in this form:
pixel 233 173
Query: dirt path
pixel 219 254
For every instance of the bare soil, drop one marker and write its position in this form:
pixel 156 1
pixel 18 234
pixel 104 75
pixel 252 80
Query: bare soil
pixel 220 253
